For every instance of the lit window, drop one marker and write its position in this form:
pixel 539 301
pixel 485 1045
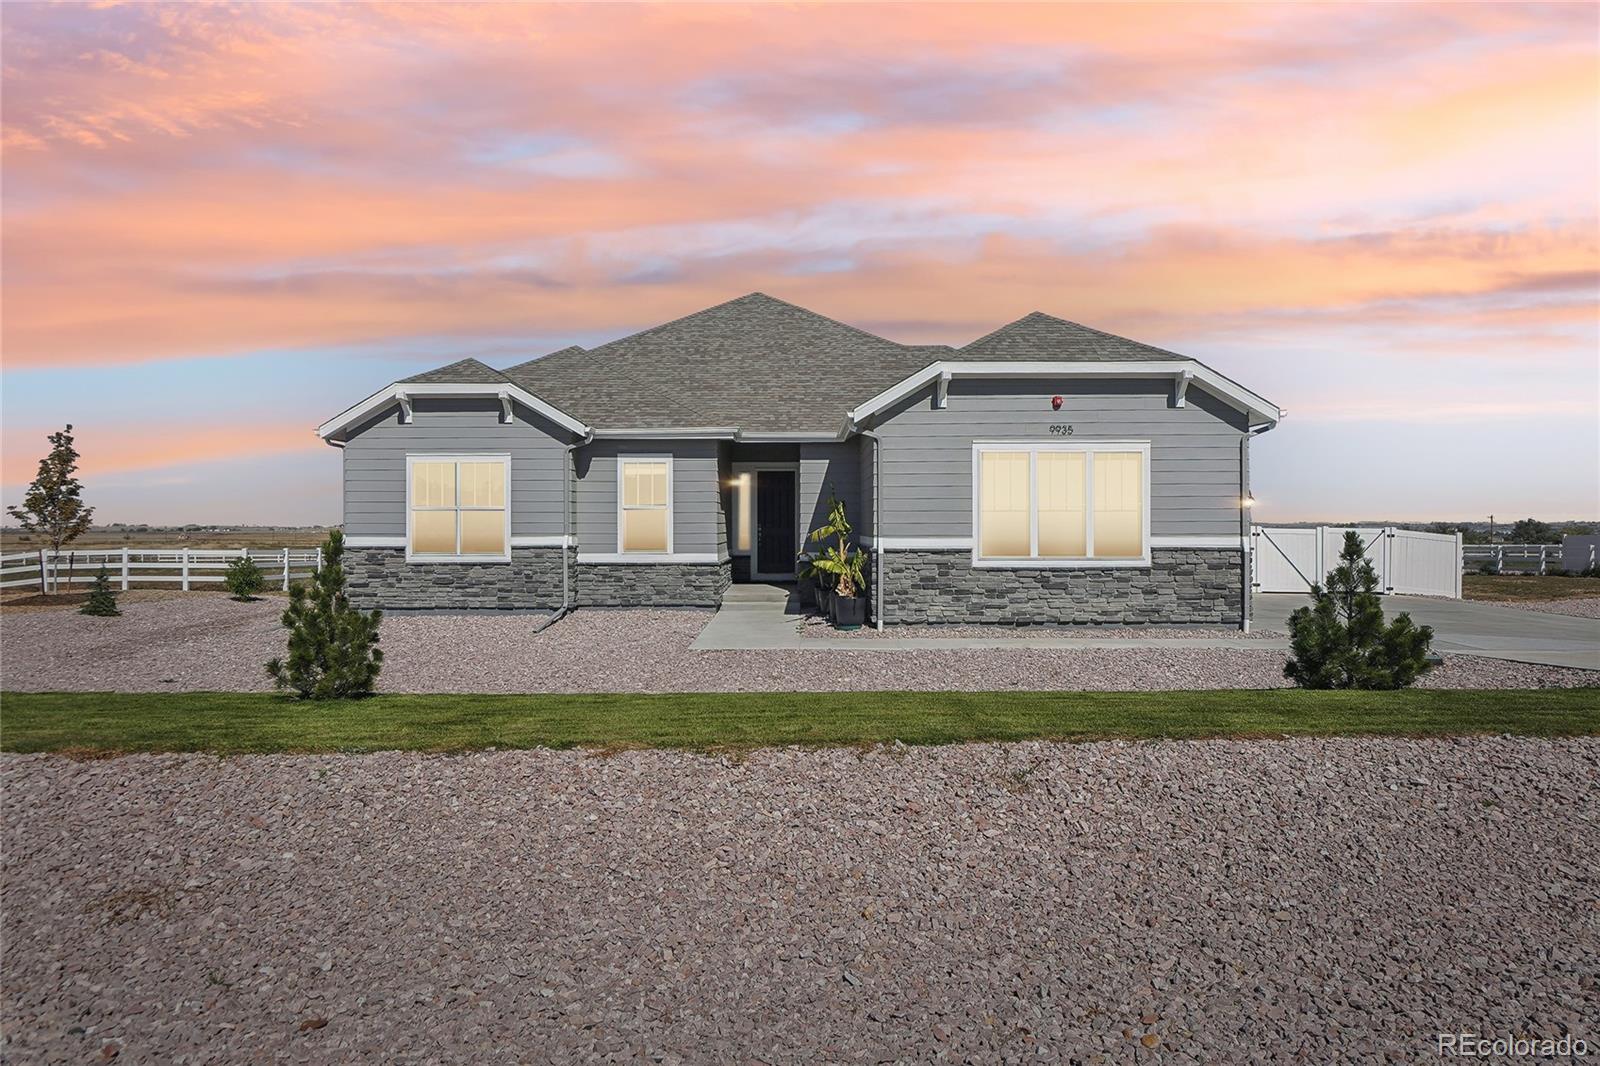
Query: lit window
pixel 644 514
pixel 457 507
pixel 743 511
pixel 1049 503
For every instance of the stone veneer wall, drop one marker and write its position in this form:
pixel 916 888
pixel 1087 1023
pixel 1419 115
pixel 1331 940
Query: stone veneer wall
pixel 652 584
pixel 1180 587
pixel 381 577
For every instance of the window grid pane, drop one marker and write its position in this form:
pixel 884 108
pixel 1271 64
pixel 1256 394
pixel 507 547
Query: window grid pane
pixel 1118 505
pixel 1063 529
pixel 1003 504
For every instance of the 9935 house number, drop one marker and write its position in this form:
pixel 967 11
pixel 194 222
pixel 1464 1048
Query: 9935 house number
pixel 1061 431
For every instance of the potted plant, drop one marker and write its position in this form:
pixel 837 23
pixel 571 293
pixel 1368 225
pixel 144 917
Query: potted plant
pixel 806 582
pixel 839 570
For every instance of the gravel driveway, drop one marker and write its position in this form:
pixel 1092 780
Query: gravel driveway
pixel 1313 900
pixel 195 641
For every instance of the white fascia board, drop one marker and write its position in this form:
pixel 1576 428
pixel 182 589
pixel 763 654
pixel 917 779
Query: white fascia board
pixel 1200 374
pixel 401 391
pixel 789 437
pixel 691 432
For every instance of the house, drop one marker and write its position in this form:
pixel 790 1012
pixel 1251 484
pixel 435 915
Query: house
pixel 1044 473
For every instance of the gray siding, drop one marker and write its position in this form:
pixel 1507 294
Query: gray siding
pixel 697 510
pixel 375 462
pixel 828 470
pixel 927 453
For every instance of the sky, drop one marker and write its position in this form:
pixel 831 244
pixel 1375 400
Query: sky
pixel 223 224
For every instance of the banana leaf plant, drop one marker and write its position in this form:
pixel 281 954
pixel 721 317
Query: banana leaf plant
pixel 838 564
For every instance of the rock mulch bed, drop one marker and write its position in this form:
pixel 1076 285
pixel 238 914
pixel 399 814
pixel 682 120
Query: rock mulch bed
pixel 1576 607
pixel 1315 900
pixel 202 642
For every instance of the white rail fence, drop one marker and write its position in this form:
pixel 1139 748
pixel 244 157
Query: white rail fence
pixel 1527 558
pixel 1408 563
pixel 49 570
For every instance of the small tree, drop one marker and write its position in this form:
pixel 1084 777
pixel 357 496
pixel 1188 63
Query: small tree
pixel 1342 642
pixel 102 601
pixel 53 506
pixel 244 578
pixel 1533 531
pixel 333 648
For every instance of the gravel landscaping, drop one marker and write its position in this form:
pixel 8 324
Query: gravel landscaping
pixel 1576 606
pixel 814 625
pixel 1313 900
pixel 200 642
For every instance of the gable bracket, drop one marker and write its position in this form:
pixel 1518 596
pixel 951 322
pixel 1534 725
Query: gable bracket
pixel 405 407
pixel 941 398
pixel 1180 387
pixel 505 407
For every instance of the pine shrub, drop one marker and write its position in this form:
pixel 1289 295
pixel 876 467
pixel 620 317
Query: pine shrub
pixel 1342 641
pixel 333 648
pixel 102 600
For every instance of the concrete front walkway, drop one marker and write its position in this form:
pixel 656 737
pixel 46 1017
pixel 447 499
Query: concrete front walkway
pixel 767 617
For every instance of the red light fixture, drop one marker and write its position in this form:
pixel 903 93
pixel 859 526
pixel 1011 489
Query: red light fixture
pixel 1055 403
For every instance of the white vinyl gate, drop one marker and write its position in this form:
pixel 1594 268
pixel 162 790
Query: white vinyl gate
pixel 1408 563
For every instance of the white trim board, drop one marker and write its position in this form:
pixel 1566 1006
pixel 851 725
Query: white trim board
pixel 965 543
pixel 403 393
pixel 1177 370
pixel 360 541
pixel 639 558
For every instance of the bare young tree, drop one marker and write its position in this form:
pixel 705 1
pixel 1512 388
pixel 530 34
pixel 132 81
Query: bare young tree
pixel 53 506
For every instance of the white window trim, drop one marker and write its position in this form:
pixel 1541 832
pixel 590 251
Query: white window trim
pixel 1033 447
pixel 623 460
pixel 429 557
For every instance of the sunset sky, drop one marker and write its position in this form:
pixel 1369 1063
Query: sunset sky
pixel 223 225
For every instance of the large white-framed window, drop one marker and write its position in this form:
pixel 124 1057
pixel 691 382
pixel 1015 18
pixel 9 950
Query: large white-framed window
pixel 458 508
pixel 644 505
pixel 1060 503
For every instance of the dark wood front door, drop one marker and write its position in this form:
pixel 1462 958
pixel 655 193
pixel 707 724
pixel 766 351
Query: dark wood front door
pixel 776 523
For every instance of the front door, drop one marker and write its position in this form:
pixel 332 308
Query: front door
pixel 776 523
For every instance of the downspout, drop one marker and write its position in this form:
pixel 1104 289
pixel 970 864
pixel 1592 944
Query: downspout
pixel 1245 503
pixel 877 527
pixel 567 502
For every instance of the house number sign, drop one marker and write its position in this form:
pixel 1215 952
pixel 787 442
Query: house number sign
pixel 1061 430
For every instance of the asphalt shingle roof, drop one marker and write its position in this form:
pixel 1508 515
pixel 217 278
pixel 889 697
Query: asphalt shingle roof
pixel 1047 338
pixel 759 364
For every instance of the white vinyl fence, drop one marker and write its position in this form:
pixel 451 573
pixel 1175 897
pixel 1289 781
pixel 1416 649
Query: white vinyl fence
pixel 1526 558
pixel 50 571
pixel 1408 563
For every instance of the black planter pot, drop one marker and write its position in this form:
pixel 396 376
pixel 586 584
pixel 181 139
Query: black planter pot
pixel 825 601
pixel 849 612
pixel 806 589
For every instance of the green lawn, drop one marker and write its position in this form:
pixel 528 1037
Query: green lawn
pixel 231 722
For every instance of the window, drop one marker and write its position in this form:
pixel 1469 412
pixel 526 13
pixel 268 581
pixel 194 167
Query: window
pixel 456 507
pixel 644 504
pixel 1062 504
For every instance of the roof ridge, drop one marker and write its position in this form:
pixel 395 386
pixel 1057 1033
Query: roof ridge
pixel 741 299
pixel 1125 340
pixel 571 349
pixel 468 361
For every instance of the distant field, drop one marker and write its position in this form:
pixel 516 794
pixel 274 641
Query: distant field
pixel 1503 587
pixel 13 541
